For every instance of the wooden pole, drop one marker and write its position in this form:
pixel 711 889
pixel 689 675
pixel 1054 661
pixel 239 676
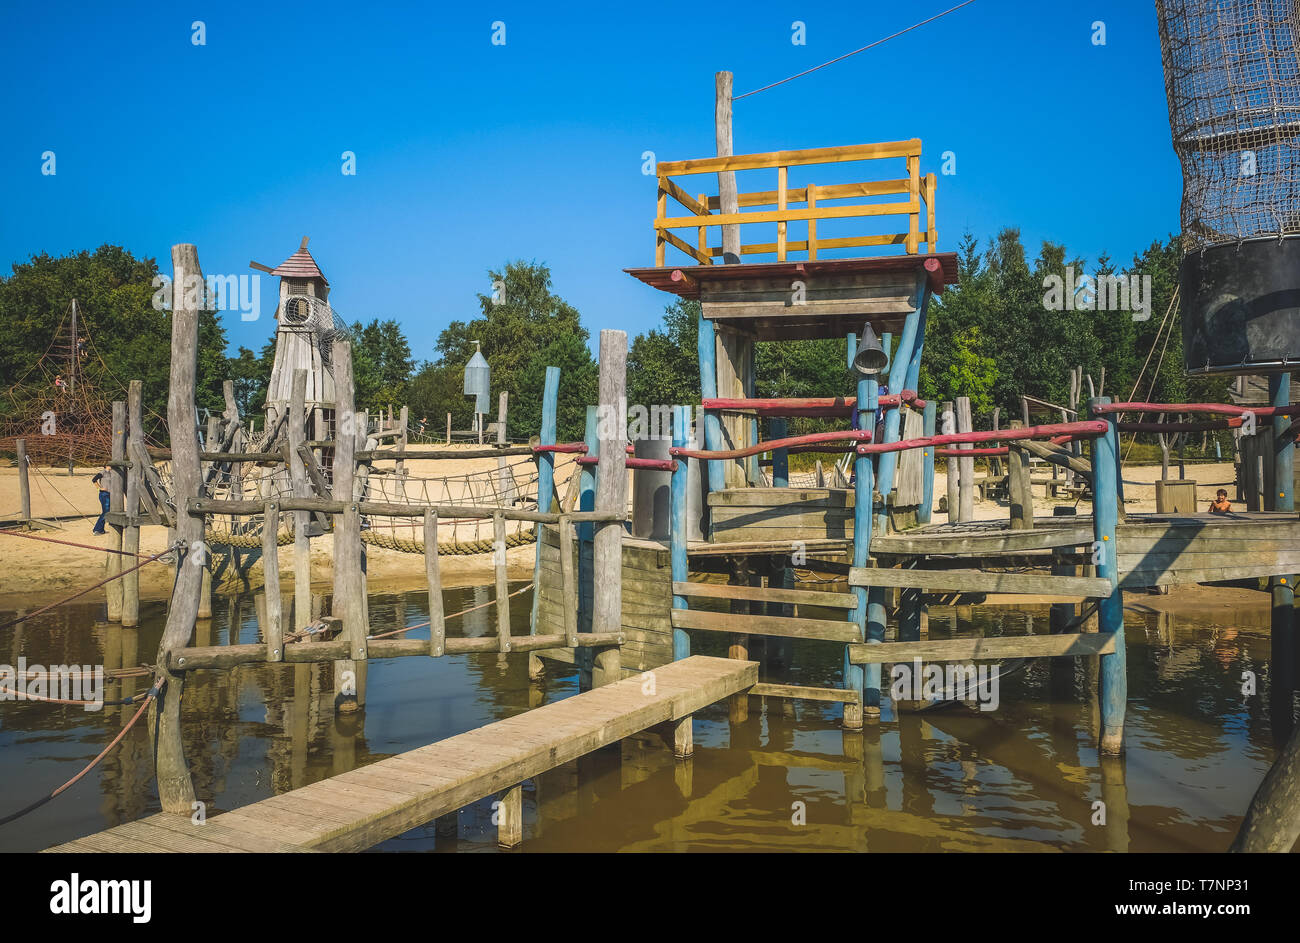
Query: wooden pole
pixel 205 583
pixel 502 584
pixel 433 576
pixel 116 501
pixel 966 465
pixel 611 496
pixel 545 476
pixel 272 629
pixel 297 431
pixel 402 430
pixel 950 463
pixel 449 428
pixel 1110 610
pixel 349 554
pixel 24 484
pixel 175 789
pixel 728 200
pixel 1019 493
pixel 131 506
pixel 926 510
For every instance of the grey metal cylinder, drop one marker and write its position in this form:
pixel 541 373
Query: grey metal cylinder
pixel 651 516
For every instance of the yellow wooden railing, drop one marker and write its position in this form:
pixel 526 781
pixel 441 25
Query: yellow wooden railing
pixel 706 210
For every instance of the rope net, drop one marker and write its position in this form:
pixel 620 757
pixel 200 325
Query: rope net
pixel 1232 79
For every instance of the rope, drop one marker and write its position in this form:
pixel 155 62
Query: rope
pixel 148 698
pixel 115 576
pixel 483 605
pixel 448 548
pixel 69 543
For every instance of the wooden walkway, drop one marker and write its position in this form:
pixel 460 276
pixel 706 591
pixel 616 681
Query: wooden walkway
pixel 358 809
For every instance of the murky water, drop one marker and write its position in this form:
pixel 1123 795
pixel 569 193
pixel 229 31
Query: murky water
pixel 1024 777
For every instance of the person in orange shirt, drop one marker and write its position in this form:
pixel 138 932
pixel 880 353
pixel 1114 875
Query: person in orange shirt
pixel 1220 504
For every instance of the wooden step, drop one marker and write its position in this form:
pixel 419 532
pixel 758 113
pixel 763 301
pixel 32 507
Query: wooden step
pixel 839 695
pixel 979 581
pixel 745 624
pixel 805 597
pixel 974 649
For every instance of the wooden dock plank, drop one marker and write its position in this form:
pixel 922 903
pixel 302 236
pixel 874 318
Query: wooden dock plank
pixel 363 807
pixel 973 649
pixel 981 581
pixel 807 597
pixel 828 629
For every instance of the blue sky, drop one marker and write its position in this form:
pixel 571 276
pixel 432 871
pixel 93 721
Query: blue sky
pixel 469 153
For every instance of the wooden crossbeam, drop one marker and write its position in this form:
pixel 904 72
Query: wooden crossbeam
pixel 974 649
pixel 979 581
pixel 827 629
pixel 839 695
pixel 766 594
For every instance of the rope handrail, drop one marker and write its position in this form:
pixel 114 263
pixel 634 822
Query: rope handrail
pixel 1086 428
pixel 855 435
pixel 644 464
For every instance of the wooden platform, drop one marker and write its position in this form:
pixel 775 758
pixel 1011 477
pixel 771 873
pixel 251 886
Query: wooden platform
pixel 356 810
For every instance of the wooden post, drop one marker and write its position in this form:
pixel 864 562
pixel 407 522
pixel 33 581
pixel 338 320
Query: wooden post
pixel 678 536
pixel 611 496
pixel 116 501
pixel 433 576
pixel 502 585
pixel 510 817
pixel 175 789
pixel 349 554
pixel 449 428
pixel 297 432
pixel 1020 495
pixel 545 477
pixel 738 647
pixel 728 201
pixel 272 629
pixel 780 457
pixel 856 676
pixel 1110 609
pixel 950 463
pixel 926 510
pixel 504 495
pixel 205 584
pixel 966 465
pixel 403 428
pixel 131 506
pixel 568 583
pixel 24 485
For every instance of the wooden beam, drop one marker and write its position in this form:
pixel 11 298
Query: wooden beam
pixel 976 649
pixel 978 581
pixel 745 623
pixel 766 594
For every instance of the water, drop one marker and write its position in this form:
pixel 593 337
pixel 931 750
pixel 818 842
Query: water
pixel 1023 777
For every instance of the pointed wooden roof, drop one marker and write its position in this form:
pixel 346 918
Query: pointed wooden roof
pixel 300 265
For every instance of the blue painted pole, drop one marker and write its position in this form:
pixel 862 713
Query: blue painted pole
pixel 706 350
pixel 545 476
pixel 677 536
pixel 906 360
pixel 780 457
pixel 1279 394
pixel 927 468
pixel 913 377
pixel 859 677
pixel 852 348
pixel 1110 609
pixel 586 533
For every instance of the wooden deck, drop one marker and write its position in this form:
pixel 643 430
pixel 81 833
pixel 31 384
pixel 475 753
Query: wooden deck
pixel 358 809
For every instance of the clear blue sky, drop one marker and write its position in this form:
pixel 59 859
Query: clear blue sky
pixel 469 154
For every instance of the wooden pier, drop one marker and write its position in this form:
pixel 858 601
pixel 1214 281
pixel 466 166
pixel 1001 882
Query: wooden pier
pixel 359 809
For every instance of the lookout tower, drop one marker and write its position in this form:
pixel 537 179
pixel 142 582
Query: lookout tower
pixel 305 328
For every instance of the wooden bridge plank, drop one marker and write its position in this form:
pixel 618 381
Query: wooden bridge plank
pixel 980 581
pixel 765 594
pixel 830 630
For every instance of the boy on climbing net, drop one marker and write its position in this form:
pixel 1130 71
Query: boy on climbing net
pixel 1220 504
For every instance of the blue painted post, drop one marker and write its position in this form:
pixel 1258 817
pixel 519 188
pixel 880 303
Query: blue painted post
pixel 927 468
pixel 1110 609
pixel 780 457
pixel 677 537
pixel 904 370
pixel 858 677
pixel 586 534
pixel 1279 394
pixel 706 350
pixel 851 349
pixel 545 476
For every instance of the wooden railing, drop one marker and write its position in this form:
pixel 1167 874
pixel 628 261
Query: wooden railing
pixel 801 204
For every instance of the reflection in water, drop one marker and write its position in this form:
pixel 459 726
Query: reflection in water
pixel 1024 777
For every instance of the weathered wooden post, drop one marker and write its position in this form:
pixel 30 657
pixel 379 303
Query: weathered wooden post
pixel 502 583
pixel 926 510
pixel 1110 609
pixel 213 444
pixel 349 554
pixel 611 497
pixel 24 484
pixel 403 428
pixel 1020 495
pixel 116 501
pixel 297 438
pixel 131 506
pixel 677 542
pixel 728 200
pixel 175 790
pixel 966 465
pixel 545 481
pixel 273 627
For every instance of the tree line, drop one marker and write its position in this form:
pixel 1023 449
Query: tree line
pixel 1002 331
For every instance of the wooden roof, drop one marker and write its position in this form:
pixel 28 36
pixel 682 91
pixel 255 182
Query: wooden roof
pixel 299 265
pixel 684 280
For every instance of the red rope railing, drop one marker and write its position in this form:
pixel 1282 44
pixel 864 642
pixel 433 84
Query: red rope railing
pixel 851 435
pixel 1084 429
